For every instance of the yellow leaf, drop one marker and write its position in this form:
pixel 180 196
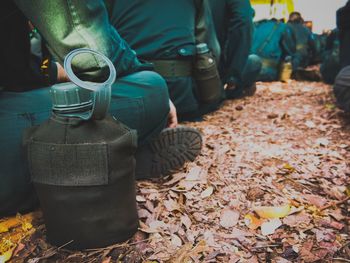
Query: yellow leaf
pixel 288 167
pixel 13 222
pixel 348 190
pixel 26 226
pixel 271 212
pixel 330 106
pixel 7 255
pixel 252 221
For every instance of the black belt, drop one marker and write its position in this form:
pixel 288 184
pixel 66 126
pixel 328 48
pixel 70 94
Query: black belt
pixel 173 68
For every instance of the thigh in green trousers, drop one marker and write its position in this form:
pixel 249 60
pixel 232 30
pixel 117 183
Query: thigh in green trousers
pixel 139 100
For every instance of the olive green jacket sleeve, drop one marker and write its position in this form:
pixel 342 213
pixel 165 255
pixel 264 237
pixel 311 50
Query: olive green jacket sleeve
pixel 205 30
pixel 239 39
pixel 71 24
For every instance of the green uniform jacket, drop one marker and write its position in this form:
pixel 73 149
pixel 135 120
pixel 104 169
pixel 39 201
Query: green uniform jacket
pixel 273 42
pixel 165 30
pixel 343 24
pixel 330 66
pixel 157 29
pixel 234 29
pixel 67 25
pixel 305 44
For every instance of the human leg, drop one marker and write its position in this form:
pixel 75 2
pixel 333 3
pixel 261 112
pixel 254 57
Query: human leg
pixel 250 73
pixel 342 89
pixel 18 111
pixel 160 150
pixel 140 101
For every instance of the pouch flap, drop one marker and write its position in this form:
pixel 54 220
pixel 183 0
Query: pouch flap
pixel 68 164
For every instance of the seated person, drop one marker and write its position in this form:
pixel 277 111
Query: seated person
pixel 320 46
pixel 343 24
pixel 234 29
pixel 273 43
pixel 164 33
pixel 304 39
pixel 330 66
pixel 139 98
pixel 342 89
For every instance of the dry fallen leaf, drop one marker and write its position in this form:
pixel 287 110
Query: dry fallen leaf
pixel 171 205
pixel 6 256
pixel 271 212
pixel 252 222
pixel 300 219
pixel 268 228
pixel 229 218
pixel 194 174
pixel 248 159
pixel 186 221
pixel 207 192
pixel 176 241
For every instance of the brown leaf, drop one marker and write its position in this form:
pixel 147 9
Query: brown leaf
pixel 316 200
pixel 324 235
pixel 306 254
pixel 186 221
pixel 171 205
pixel 229 218
pixel 328 222
pixel 297 220
pixel 194 174
pixel 176 178
pixel 255 193
pixel 272 116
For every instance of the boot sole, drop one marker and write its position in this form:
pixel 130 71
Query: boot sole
pixel 173 148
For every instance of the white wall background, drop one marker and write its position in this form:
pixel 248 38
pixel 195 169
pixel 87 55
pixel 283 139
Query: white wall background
pixel 321 12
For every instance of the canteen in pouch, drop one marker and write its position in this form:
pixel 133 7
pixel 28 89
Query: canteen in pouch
pixel 286 70
pixel 82 165
pixel 207 77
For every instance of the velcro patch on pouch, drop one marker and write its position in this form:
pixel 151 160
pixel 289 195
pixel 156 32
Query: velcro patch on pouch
pixel 68 164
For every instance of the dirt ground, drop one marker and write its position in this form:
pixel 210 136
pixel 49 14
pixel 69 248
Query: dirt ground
pixel 269 186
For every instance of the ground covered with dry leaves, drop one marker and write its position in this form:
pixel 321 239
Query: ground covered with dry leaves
pixel 269 186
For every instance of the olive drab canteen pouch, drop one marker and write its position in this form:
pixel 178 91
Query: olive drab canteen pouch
pixel 82 165
pixel 286 70
pixel 209 86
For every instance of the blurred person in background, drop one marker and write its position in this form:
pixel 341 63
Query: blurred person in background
pixel 233 20
pixel 304 39
pixel 273 42
pixel 330 66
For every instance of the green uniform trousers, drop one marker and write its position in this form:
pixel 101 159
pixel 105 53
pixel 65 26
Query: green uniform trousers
pixel 139 100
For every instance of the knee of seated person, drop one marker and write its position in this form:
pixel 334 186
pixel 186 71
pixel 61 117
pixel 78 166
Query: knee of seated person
pixel 154 81
pixel 342 89
pixel 255 62
pixel 156 98
pixel 157 86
